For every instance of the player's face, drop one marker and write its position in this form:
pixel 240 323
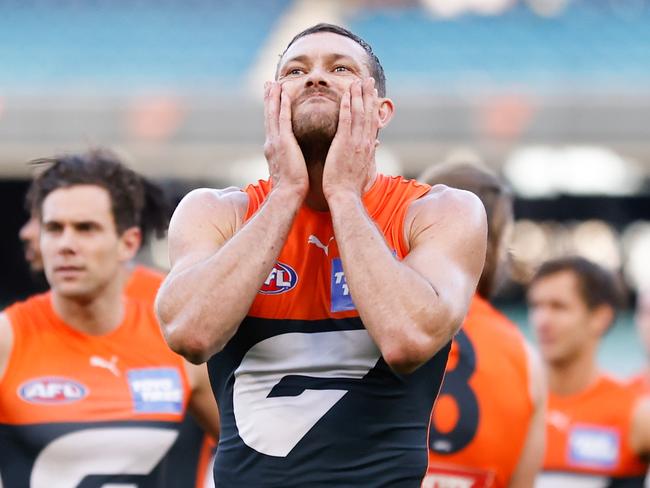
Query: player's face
pixel 82 251
pixel 561 320
pixel 30 235
pixel 643 319
pixel 315 71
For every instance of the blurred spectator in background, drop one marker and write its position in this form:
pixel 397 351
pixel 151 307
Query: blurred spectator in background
pixel 597 428
pixel 90 207
pixel 493 387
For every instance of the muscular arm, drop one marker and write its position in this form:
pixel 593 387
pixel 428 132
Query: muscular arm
pixel 412 308
pixel 532 455
pixel 218 265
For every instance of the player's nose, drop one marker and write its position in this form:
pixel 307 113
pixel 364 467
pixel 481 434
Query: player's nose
pixel 316 77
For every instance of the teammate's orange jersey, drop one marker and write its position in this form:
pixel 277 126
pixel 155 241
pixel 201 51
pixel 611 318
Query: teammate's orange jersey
pixel 143 283
pixel 588 437
pixel 482 415
pixel 75 406
pixel 640 382
pixel 304 394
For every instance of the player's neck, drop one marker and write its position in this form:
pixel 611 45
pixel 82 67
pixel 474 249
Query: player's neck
pixel 574 375
pixel 94 316
pixel 315 198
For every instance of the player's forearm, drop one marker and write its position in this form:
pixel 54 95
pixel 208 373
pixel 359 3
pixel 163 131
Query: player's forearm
pixel 403 313
pixel 201 307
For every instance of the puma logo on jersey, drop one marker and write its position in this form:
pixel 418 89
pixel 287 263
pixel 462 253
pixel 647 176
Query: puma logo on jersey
pixel 558 420
pixel 312 239
pixel 100 362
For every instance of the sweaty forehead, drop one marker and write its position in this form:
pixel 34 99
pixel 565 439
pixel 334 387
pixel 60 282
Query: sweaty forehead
pixel 326 44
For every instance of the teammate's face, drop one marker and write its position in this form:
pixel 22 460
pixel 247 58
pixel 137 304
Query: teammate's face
pixel 315 71
pixel 30 235
pixel 643 319
pixel 81 249
pixel 561 320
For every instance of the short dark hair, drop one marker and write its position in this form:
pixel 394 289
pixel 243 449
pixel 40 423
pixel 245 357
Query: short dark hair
pixel 497 198
pixel 135 201
pixel 376 70
pixel 596 285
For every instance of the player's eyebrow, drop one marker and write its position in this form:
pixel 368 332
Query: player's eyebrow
pixel 303 58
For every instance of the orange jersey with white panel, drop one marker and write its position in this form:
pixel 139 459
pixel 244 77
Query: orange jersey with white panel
pixel 83 410
pixel 481 420
pixel 588 438
pixel 304 395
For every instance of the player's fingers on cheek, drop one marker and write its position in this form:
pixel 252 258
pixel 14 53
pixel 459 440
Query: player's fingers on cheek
pixel 345 115
pixel 274 106
pixel 285 112
pixel 368 102
pixel 267 90
pixel 357 107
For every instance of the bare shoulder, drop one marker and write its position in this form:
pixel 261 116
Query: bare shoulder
pixel 204 220
pixel 6 342
pixel 446 209
pixel 640 426
pixel 210 202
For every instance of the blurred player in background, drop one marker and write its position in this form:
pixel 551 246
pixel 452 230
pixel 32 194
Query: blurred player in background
pixel 324 298
pixel 597 428
pixel 139 281
pixel 642 320
pixel 487 429
pixel 89 390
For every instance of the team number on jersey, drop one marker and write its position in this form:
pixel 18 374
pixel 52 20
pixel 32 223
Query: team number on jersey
pixel 279 392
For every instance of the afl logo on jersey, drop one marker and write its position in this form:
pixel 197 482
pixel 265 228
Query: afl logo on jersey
pixel 52 391
pixel 282 278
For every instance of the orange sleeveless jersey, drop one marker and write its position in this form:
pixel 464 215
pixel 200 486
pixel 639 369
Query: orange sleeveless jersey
pixel 387 202
pixel 588 438
pixel 143 283
pixel 111 404
pixel 304 395
pixel 481 419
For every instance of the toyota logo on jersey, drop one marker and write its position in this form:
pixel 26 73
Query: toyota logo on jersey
pixel 282 278
pixel 52 390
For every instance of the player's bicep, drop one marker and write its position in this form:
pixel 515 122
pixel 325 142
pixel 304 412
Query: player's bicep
pixel 447 235
pixel 203 221
pixel 6 343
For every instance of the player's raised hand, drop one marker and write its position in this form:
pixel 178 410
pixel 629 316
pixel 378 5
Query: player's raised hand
pixel 350 157
pixel 287 166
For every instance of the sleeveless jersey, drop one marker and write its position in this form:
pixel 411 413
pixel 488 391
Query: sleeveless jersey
pixel 588 438
pixel 640 382
pixel 189 458
pixel 78 410
pixel 143 283
pixel 481 420
pixel 304 394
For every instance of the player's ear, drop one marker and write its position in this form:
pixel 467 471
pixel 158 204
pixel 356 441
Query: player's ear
pixel 386 110
pixel 604 316
pixel 130 242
